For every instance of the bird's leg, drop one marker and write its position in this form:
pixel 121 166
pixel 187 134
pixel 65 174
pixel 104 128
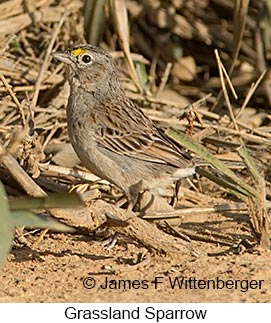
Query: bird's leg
pixel 149 202
pixel 110 242
pixel 131 196
pixel 121 201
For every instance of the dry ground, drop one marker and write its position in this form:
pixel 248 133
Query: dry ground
pixel 57 268
pixel 184 33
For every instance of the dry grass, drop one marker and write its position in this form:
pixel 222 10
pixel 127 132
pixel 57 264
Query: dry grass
pixel 196 66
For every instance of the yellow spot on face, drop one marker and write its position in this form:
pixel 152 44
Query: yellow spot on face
pixel 78 51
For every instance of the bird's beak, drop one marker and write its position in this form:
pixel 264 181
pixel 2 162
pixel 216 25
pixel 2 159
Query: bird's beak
pixel 63 57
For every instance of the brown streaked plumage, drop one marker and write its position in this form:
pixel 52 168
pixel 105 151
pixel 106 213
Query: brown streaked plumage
pixel 111 134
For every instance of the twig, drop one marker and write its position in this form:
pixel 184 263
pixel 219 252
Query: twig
pixel 240 18
pixel 14 98
pixel 261 45
pixel 45 62
pixel 47 169
pixel 224 88
pixel 178 213
pixel 120 17
pixel 250 93
pixel 164 79
pixel 21 177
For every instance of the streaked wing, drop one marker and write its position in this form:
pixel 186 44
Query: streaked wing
pixel 136 136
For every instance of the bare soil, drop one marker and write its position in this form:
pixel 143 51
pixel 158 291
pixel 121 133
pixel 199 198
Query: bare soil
pixel 57 269
pixel 62 267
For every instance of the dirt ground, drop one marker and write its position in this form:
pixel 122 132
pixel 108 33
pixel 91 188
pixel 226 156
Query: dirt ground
pixel 172 46
pixel 63 268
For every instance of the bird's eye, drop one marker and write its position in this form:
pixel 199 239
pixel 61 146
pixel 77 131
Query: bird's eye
pixel 86 58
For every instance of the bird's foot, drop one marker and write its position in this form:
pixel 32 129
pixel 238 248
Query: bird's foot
pixel 110 242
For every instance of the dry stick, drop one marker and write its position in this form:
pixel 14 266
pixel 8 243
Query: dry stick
pixel 179 213
pixel 246 136
pixel 25 88
pixel 260 50
pixel 49 137
pixel 250 93
pixel 120 17
pixel 55 170
pixel 45 62
pixel 228 80
pixel 240 15
pixel 224 89
pixel 151 84
pixel 14 98
pixel 245 126
pixel 200 101
pixel 136 57
pixel 164 79
pixel 27 183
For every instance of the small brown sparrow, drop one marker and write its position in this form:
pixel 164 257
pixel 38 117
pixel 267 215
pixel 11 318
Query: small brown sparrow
pixel 111 134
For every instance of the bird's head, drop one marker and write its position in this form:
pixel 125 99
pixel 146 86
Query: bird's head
pixel 89 66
